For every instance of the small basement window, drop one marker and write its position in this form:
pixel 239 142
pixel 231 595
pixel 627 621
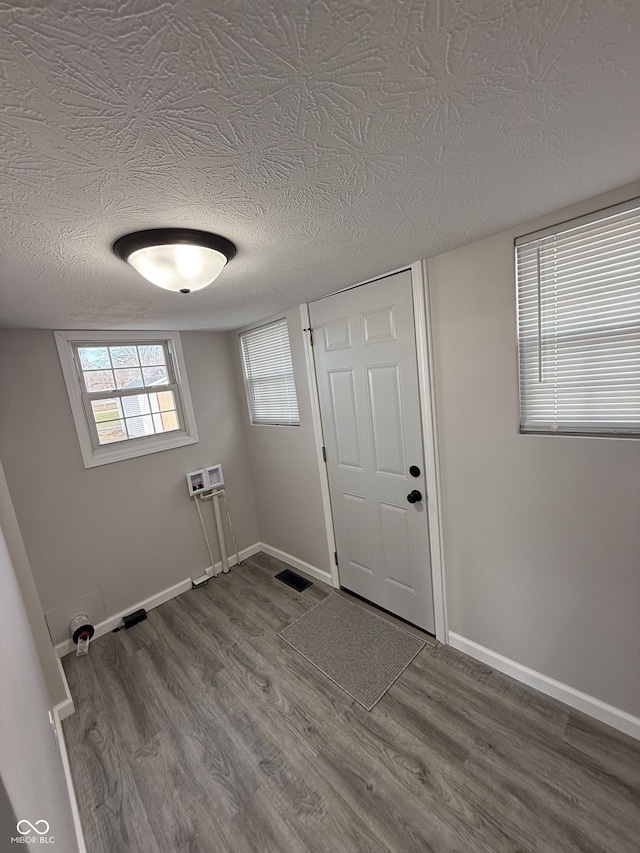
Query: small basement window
pixel 268 375
pixel 128 393
pixel 578 288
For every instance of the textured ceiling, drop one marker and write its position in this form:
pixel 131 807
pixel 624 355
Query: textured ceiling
pixel 331 141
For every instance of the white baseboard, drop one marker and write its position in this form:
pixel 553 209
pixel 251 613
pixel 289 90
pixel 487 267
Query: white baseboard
pixel 214 571
pixel 614 717
pixel 307 568
pixel 59 715
pixel 67 646
pixel 61 711
pixel 65 708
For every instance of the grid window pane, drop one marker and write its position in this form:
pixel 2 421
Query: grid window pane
pixel 126 390
pixel 110 431
pixel 129 377
pixel 136 405
pixel 162 401
pixel 136 416
pixel 106 410
pixel 97 363
pixel 166 421
pixel 124 356
pixel 94 358
pixel 123 368
pixel 157 375
pixel 99 380
pixel 138 427
pixel 151 355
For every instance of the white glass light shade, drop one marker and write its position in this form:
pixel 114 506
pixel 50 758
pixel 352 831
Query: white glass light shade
pixel 178 267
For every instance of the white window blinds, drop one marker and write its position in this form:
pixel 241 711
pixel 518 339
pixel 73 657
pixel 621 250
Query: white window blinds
pixel 578 290
pixel 268 373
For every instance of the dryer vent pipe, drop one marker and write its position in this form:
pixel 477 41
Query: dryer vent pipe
pixel 81 632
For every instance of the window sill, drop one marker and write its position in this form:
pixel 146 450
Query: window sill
pixel 131 449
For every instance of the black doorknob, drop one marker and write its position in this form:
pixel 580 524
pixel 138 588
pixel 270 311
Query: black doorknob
pixel 414 496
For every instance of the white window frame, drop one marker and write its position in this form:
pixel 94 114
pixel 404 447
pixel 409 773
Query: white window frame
pixel 245 376
pixel 581 424
pixel 94 454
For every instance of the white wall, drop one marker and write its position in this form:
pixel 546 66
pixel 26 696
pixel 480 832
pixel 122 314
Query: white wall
pixel 46 653
pixel 127 529
pixel 30 763
pixel 541 533
pixel 284 466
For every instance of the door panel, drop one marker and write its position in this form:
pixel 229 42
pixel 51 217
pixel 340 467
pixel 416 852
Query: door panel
pixel 379 326
pixel 337 334
pixel 368 387
pixel 345 417
pixel 386 420
pixel 396 541
pixel 357 521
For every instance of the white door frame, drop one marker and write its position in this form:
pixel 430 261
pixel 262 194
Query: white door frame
pixel 426 385
pixel 319 437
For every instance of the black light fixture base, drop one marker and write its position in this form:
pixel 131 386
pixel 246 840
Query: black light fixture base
pixel 129 243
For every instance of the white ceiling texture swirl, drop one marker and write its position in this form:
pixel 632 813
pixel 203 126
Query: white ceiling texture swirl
pixel 331 140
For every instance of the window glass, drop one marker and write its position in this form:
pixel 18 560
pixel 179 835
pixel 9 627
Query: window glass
pixel 128 397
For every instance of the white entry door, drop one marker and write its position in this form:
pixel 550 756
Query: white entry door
pixel 365 353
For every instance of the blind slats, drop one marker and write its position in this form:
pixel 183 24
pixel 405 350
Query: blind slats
pixel 268 373
pixel 579 325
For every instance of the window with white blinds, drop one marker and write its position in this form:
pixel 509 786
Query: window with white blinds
pixel 578 288
pixel 268 375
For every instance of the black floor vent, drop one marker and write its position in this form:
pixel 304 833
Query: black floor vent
pixel 294 580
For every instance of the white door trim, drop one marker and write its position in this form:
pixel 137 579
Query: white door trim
pixel 426 387
pixel 310 362
pixel 426 384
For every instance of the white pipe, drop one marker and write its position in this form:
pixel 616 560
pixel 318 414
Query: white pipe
pixel 233 535
pixel 208 496
pixel 206 538
pixel 219 528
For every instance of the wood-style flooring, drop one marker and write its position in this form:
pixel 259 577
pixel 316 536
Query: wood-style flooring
pixel 200 730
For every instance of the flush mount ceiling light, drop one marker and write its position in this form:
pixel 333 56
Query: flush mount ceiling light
pixel 178 259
